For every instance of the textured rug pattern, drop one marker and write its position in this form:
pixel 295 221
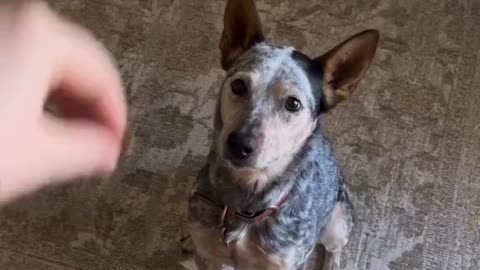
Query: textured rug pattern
pixel 409 141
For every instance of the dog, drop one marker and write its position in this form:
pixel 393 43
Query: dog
pixel 271 189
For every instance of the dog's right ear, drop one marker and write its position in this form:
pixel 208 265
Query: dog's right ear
pixel 241 30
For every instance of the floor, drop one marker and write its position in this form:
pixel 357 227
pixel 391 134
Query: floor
pixel 409 142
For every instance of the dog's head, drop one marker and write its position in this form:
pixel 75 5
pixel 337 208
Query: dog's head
pixel 272 96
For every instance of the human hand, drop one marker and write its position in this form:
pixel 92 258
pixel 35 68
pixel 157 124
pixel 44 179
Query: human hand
pixel 45 59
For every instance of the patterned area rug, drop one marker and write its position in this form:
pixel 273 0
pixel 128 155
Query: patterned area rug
pixel 409 141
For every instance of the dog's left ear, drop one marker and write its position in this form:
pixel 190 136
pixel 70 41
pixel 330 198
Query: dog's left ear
pixel 345 65
pixel 242 29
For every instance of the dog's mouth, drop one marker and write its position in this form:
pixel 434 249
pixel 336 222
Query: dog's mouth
pixel 240 163
pixel 249 163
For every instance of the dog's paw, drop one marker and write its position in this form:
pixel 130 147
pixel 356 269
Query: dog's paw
pixel 189 264
pixel 187 245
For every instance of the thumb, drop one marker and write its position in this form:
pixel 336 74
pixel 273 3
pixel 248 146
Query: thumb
pixel 77 148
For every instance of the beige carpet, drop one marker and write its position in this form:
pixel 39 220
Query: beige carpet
pixel 409 141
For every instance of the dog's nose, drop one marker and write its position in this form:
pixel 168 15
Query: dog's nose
pixel 241 145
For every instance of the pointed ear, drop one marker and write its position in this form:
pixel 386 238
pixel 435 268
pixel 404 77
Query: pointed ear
pixel 345 65
pixel 242 30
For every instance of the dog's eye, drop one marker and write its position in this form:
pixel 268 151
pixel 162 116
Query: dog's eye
pixel 239 88
pixel 293 104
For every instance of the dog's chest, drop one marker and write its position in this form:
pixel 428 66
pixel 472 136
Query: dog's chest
pixel 280 242
pixel 245 252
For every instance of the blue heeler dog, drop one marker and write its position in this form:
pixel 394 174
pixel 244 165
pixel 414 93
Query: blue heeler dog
pixel 271 189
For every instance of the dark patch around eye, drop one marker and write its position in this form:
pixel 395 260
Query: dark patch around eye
pixel 314 73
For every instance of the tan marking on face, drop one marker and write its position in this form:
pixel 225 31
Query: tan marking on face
pixel 284 138
pixel 337 231
pixel 233 109
pixel 244 254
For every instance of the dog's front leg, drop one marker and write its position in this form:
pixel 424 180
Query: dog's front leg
pixel 210 251
pixel 335 234
pixel 204 264
pixel 331 260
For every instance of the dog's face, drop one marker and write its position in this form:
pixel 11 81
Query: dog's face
pixel 267 106
pixel 272 96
